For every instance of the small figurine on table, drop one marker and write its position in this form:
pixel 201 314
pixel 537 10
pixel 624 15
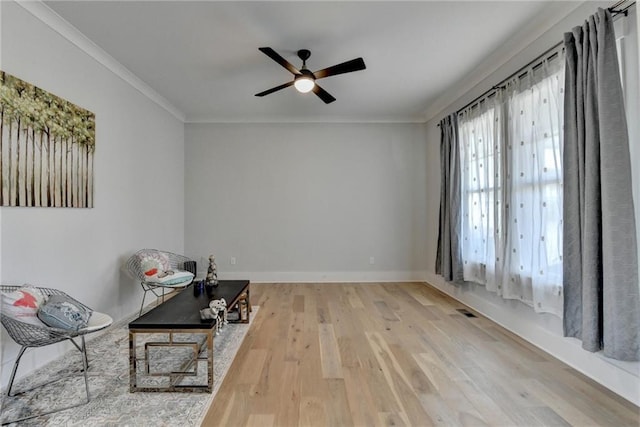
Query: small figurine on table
pixel 218 308
pixel 212 272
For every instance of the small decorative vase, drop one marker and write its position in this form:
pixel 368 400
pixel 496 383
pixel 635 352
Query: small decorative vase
pixel 212 272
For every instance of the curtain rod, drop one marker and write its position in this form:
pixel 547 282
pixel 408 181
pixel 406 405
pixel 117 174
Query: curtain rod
pixel 541 58
pixel 625 10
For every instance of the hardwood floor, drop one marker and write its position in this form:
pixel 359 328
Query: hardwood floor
pixel 396 354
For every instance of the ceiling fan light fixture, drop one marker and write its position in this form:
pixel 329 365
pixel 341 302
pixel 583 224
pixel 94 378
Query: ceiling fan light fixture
pixel 304 80
pixel 304 84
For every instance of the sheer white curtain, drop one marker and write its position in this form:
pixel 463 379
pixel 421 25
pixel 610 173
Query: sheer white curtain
pixel 481 167
pixel 512 188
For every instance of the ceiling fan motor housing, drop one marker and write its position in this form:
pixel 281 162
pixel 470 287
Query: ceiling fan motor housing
pixel 305 73
pixel 304 54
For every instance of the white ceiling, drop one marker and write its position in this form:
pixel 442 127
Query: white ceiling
pixel 203 56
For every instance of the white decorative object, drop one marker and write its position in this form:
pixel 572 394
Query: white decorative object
pixel 219 309
pixel 212 271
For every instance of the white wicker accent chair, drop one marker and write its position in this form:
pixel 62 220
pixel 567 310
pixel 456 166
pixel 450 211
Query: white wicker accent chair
pixel 176 262
pixel 29 335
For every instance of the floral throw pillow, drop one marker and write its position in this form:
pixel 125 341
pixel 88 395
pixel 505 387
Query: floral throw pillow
pixel 153 263
pixel 156 268
pixel 23 304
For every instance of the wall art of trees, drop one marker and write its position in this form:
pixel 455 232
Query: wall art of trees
pixel 46 148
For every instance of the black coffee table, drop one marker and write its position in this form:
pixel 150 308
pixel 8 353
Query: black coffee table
pixel 181 314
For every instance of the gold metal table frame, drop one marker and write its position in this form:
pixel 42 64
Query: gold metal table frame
pixel 174 376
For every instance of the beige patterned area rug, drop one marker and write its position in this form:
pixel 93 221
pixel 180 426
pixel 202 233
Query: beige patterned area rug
pixel 111 403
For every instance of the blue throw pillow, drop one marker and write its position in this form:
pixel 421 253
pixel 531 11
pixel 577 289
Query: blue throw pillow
pixel 172 278
pixel 59 311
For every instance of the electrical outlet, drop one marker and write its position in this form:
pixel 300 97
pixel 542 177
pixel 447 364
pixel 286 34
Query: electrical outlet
pixel 372 260
pixel 232 261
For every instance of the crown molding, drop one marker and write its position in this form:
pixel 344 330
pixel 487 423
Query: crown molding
pixel 284 120
pixel 467 88
pixel 57 23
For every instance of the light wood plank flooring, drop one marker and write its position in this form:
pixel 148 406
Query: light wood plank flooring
pixel 396 354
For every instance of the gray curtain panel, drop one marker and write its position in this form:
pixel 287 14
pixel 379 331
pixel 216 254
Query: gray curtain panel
pixel 449 255
pixel 601 301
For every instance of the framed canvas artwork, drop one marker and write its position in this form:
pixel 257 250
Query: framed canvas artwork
pixel 47 146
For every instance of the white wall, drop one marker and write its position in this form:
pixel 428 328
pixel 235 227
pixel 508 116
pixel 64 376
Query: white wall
pixel 544 331
pixel 307 202
pixel 139 182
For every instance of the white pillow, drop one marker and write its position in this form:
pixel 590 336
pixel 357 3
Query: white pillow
pixel 23 304
pixel 151 267
pixel 153 262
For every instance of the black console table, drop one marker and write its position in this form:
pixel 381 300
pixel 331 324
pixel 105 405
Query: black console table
pixel 181 314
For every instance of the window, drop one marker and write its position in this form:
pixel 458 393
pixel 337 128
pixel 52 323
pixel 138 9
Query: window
pixel 479 159
pixel 511 180
pixel 511 185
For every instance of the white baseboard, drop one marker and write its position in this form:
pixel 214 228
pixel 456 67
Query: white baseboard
pixel 619 377
pixel 325 277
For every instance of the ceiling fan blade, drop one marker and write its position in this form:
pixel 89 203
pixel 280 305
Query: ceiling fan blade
pixel 275 89
pixel 323 94
pixel 279 59
pixel 346 67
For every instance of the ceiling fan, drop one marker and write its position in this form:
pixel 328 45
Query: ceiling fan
pixel 305 80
